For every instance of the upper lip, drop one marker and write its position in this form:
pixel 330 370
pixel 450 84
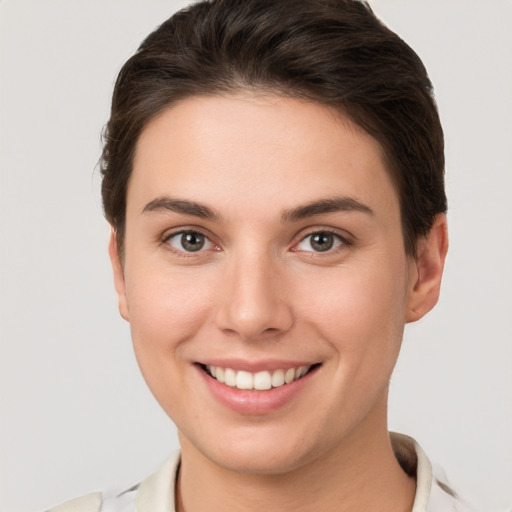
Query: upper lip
pixel 255 366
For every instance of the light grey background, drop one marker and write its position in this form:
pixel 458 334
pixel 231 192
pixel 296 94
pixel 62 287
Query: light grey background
pixel 75 414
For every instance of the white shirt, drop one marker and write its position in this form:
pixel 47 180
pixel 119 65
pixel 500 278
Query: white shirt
pixel 156 493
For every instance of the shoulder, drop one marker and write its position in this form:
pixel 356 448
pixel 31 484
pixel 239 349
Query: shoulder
pixel 433 492
pixel 156 492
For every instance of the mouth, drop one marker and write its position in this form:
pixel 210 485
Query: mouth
pixel 257 381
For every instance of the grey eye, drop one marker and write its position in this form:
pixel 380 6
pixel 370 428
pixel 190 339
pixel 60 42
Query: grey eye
pixel 189 241
pixel 321 241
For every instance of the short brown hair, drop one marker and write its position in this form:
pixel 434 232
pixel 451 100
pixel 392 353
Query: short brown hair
pixel 334 52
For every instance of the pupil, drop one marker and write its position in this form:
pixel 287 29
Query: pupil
pixel 322 242
pixel 192 241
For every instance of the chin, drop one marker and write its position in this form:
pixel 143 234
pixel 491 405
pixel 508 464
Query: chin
pixel 256 451
pixel 260 461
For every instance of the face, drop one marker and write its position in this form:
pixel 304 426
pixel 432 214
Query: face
pixel 264 278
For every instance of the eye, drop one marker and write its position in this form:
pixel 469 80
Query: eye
pixel 321 241
pixel 189 241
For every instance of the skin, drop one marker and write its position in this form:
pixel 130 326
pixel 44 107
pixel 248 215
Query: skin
pixel 259 291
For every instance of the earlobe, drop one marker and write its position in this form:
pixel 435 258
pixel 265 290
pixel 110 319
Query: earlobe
pixel 428 270
pixel 117 268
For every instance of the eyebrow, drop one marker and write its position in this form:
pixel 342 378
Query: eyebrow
pixel 182 206
pixel 322 206
pixel 331 205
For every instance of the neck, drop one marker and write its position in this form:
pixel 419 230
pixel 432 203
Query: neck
pixel 360 474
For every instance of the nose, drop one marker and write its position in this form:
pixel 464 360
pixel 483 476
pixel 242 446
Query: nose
pixel 255 304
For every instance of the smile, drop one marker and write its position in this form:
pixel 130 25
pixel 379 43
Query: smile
pixel 259 381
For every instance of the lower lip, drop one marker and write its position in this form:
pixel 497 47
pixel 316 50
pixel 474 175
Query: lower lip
pixel 253 401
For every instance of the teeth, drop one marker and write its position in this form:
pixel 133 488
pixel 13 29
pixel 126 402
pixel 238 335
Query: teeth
pixel 230 377
pixel 260 381
pixel 277 378
pixel 244 380
pixel 289 376
pixel 301 372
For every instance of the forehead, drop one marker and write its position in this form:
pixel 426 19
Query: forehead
pixel 262 149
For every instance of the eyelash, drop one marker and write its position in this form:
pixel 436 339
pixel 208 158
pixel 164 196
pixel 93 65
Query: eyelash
pixel 343 242
pixel 182 252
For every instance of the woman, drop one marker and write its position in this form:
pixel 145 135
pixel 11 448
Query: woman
pixel 273 175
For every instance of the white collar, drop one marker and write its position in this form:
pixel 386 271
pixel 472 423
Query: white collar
pixel 156 493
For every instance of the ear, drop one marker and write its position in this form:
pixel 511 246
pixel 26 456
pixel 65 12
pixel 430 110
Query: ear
pixel 117 267
pixel 427 270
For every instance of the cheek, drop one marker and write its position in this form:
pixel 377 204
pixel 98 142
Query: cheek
pixel 360 311
pixel 166 310
pixel 166 313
